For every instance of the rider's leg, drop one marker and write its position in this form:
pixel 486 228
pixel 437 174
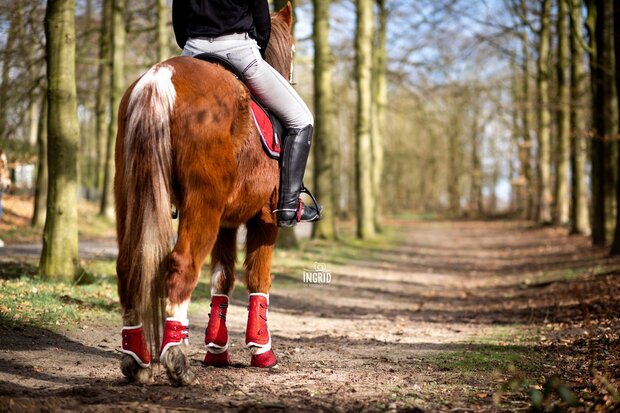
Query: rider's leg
pixel 278 95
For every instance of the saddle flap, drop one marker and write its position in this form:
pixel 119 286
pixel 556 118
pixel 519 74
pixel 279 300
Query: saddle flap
pixel 269 129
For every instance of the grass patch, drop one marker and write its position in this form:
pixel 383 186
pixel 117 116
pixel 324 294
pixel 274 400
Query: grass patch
pixel 20 234
pixel 477 358
pixel 288 265
pixel 509 335
pixel 43 304
pixel 93 225
pixel 104 270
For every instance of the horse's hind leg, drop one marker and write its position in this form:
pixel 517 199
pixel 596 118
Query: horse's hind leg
pixel 261 238
pixel 223 259
pixel 198 227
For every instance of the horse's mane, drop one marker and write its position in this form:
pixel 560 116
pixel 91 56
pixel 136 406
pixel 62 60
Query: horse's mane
pixel 279 52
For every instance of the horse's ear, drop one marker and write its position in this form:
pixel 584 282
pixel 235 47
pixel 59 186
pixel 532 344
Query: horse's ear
pixel 286 14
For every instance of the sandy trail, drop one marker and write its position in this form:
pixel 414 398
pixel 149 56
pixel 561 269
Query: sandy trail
pixel 376 338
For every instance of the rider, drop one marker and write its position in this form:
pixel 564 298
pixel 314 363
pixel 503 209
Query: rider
pixel 238 30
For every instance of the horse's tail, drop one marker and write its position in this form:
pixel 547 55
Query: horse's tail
pixel 146 232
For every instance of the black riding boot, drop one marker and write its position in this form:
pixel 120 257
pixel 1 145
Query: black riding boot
pixel 295 151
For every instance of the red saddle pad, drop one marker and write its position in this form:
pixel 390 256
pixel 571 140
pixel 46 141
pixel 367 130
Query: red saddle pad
pixel 268 136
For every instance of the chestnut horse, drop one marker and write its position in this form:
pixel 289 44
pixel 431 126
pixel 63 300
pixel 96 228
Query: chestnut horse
pixel 187 141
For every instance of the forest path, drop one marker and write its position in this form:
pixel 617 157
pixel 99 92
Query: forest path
pixel 434 321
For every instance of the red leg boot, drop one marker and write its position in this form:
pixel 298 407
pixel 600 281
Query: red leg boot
pixel 257 336
pixel 176 332
pixel 216 335
pixel 134 344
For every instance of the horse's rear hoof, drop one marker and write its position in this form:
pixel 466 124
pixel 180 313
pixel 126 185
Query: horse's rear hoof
pixel 134 372
pixel 217 360
pixel 264 360
pixel 177 367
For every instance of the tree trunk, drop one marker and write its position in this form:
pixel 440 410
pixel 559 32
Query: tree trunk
pixel 561 212
pixel 615 246
pixel 602 113
pixel 518 194
pixel 34 109
pixel 15 25
pixel 103 91
pixel 40 191
pixel 378 112
pixel 476 171
pixel 454 173
pixel 163 14
pixel 611 150
pixel 325 125
pixel 525 149
pixel 363 148
pixel 117 82
pixel 579 217
pixel 544 117
pixel 59 258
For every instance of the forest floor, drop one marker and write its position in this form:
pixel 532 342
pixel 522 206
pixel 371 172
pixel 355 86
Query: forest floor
pixel 432 316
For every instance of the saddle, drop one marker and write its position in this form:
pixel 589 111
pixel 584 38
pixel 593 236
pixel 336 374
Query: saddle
pixel 269 126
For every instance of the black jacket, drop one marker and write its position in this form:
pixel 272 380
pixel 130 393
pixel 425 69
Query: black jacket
pixel 213 18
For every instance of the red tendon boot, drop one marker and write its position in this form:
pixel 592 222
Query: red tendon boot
pixel 257 336
pixel 176 332
pixel 216 335
pixel 134 344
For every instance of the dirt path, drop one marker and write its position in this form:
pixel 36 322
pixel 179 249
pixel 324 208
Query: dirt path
pixel 439 321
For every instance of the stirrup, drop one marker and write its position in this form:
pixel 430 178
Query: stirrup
pixel 317 207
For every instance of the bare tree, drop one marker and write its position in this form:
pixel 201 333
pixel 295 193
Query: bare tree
pixel 117 89
pixel 59 258
pixel 544 116
pixel 604 117
pixel 363 150
pixel 325 123
pixel 579 216
pixel 561 210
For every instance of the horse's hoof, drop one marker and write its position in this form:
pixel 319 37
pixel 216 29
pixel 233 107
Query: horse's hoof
pixel 177 367
pixel 217 360
pixel 134 372
pixel 265 360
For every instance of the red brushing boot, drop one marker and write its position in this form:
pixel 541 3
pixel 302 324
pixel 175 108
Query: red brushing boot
pixel 134 345
pixel 257 336
pixel 176 332
pixel 216 335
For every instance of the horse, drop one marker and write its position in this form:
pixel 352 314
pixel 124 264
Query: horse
pixel 187 144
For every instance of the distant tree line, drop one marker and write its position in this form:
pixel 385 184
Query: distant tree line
pixel 569 173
